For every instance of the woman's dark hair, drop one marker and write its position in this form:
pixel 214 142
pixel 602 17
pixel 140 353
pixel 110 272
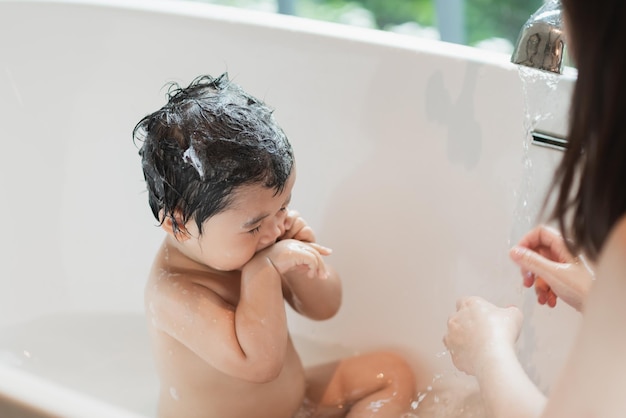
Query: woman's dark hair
pixel 210 138
pixel 591 178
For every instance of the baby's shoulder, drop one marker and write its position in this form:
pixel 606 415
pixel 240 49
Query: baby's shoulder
pixel 184 286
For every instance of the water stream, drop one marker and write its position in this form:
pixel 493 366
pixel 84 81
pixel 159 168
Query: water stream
pixel 540 99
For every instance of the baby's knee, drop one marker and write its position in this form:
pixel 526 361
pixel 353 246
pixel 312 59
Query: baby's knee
pixel 388 358
pixel 394 367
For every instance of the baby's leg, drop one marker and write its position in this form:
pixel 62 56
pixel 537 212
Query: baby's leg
pixel 378 384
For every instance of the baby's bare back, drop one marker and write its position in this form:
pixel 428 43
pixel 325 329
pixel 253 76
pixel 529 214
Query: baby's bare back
pixel 192 388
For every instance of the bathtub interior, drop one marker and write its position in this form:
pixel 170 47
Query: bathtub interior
pixel 413 158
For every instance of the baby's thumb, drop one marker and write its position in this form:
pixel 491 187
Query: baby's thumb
pixel 535 263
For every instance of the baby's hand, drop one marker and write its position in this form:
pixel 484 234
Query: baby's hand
pixel 478 331
pixel 297 228
pixel 291 254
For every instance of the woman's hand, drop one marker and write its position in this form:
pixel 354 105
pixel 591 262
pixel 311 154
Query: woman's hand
pixel 547 264
pixel 480 332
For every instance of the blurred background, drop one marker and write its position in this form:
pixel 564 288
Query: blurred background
pixel 487 24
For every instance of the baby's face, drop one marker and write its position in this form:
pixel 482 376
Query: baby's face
pixel 253 222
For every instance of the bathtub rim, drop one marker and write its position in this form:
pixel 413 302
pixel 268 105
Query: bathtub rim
pixel 28 392
pixel 268 20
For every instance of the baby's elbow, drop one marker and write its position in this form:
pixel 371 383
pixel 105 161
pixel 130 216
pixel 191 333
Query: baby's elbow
pixel 326 310
pixel 265 371
pixel 323 314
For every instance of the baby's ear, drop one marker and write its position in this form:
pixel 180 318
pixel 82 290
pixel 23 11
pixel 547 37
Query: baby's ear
pixel 178 231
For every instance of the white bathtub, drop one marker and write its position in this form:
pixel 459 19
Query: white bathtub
pixel 413 164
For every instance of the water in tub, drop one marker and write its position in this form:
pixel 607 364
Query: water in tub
pixel 106 356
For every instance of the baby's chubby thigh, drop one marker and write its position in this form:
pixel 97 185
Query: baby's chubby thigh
pixel 378 383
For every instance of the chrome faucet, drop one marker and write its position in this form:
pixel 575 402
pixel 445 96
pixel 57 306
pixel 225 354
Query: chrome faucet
pixel 541 43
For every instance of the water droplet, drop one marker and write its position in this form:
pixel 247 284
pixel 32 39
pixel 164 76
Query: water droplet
pixel 174 393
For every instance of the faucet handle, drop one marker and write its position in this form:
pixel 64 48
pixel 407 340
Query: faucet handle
pixel 541 42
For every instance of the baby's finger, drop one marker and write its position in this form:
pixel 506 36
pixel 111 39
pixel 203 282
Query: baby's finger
pixel 321 271
pixel 312 273
pixel 293 228
pixel 292 216
pixel 310 263
pixel 320 248
pixel 288 224
pixel 305 234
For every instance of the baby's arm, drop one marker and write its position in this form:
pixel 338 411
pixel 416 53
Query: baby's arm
pixel 316 296
pixel 241 334
pixel 260 325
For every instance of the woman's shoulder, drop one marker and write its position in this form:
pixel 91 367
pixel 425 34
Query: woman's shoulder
pixel 611 263
pixel 596 360
pixel 616 241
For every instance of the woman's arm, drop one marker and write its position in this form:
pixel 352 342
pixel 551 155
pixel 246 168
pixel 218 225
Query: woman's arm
pixel 594 377
pixel 481 336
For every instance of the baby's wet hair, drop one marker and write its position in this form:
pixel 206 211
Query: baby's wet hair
pixel 209 139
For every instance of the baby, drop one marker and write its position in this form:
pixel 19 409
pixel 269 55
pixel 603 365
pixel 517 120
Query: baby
pixel 220 174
